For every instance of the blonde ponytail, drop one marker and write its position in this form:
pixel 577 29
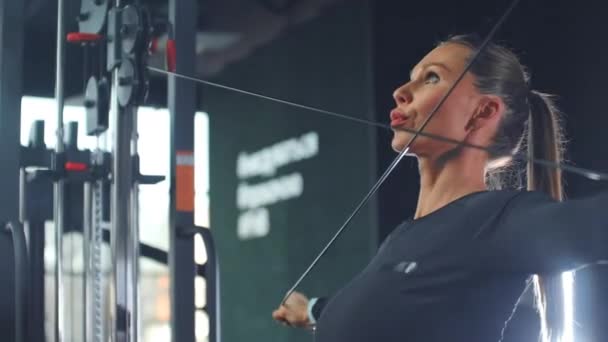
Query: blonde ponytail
pixel 545 142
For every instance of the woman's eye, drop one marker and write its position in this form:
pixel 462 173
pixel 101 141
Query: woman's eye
pixel 431 77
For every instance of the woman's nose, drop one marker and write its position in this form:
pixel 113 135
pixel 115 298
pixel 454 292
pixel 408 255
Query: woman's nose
pixel 402 95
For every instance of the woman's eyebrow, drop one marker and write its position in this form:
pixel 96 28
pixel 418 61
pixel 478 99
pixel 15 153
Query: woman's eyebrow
pixel 424 66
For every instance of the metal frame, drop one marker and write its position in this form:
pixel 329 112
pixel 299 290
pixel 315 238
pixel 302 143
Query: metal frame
pixel 21 279
pixel 59 186
pixel 122 124
pixel 212 275
pixel 11 65
pixel 182 108
pixel 126 248
pixel 35 211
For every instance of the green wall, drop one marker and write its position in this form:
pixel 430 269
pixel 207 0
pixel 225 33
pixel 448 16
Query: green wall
pixel 323 63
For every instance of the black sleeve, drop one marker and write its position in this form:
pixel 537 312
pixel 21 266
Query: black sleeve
pixel 318 307
pixel 536 234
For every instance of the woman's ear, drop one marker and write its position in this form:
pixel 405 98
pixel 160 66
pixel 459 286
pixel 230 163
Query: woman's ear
pixel 488 113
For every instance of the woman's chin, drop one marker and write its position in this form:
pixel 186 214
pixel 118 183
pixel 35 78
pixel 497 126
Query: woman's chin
pixel 399 143
pixel 396 147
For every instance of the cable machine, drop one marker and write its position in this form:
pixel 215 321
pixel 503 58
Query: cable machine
pixel 98 189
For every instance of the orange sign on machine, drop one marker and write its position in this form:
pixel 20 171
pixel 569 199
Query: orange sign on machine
pixel 184 181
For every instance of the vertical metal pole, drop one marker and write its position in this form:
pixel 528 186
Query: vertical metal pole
pixel 11 63
pixel 182 107
pixel 212 273
pixel 134 245
pixel 11 59
pixel 95 331
pixel 22 333
pixel 22 196
pixel 88 283
pixel 121 199
pixel 36 319
pixel 33 223
pixel 122 169
pixel 59 186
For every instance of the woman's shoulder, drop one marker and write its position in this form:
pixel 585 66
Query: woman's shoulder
pixel 487 198
pixel 522 195
pixel 495 202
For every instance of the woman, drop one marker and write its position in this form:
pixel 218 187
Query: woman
pixel 456 269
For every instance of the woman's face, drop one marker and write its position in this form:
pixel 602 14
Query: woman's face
pixel 429 82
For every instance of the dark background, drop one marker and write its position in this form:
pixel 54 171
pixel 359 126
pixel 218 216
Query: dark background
pixel 348 56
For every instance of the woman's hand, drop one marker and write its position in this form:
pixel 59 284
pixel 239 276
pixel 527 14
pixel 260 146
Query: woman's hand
pixel 294 312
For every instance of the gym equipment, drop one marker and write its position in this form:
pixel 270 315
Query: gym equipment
pixel 98 189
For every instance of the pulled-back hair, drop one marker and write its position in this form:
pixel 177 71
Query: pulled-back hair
pixel 529 125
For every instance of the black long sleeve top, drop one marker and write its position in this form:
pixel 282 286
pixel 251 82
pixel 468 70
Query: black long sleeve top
pixel 456 274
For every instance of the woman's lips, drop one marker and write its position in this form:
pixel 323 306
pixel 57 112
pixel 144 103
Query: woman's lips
pixel 398 118
pixel 398 122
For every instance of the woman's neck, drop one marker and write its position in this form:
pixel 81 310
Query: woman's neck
pixel 444 182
